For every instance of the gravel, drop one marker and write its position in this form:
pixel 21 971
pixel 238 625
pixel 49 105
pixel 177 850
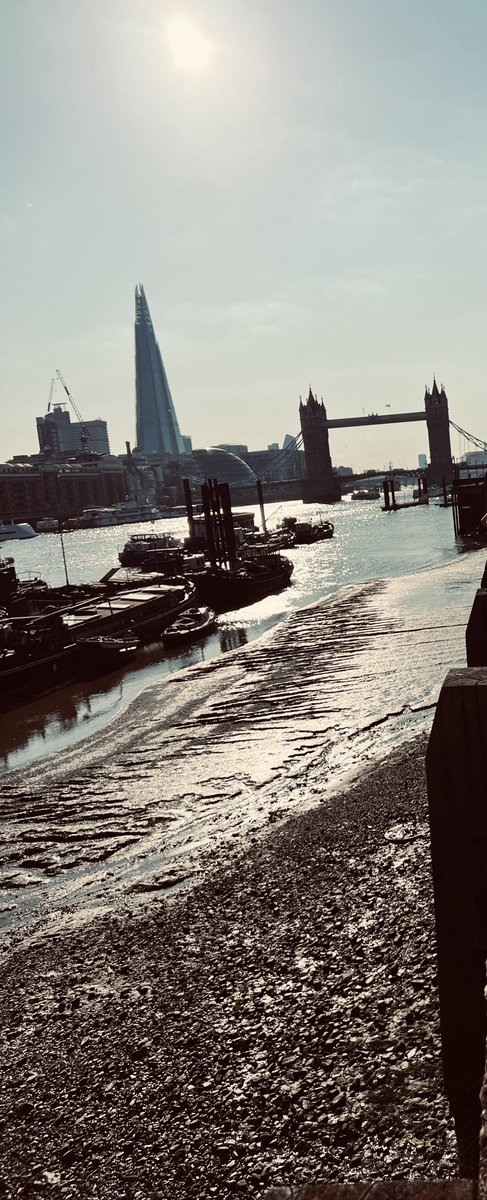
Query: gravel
pixel 276 1024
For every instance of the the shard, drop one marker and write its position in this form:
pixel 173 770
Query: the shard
pixel 157 423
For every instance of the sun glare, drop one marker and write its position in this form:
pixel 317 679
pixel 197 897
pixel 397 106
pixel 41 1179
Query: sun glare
pixel 189 49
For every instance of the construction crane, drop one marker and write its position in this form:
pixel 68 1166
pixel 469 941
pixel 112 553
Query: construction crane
pixel 84 436
pixel 51 389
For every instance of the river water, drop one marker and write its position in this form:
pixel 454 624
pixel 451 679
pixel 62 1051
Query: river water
pixel 123 787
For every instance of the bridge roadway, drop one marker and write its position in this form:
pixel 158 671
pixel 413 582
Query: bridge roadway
pixel 376 419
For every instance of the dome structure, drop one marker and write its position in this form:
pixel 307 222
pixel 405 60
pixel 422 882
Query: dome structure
pixel 214 463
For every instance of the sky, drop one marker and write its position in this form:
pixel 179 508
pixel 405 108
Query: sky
pixel 300 185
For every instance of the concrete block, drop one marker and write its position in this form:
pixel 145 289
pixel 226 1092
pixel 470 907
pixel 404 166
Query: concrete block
pixel 456 769
pixel 394 1189
pixel 476 633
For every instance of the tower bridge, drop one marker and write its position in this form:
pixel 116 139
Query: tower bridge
pixel 320 483
pixel 376 419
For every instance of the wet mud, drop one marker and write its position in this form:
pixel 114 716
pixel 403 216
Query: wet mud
pixel 212 756
pixel 276 1024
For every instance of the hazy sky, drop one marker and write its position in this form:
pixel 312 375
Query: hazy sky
pixel 304 200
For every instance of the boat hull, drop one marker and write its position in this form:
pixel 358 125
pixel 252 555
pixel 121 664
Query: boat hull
pixel 57 655
pixel 23 679
pixel 308 532
pixel 99 655
pixel 10 531
pixel 226 590
pixel 308 538
pixel 180 633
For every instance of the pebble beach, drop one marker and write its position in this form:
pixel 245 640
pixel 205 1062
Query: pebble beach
pixel 275 1024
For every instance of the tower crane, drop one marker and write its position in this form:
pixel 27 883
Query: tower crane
pixel 84 436
pixel 51 389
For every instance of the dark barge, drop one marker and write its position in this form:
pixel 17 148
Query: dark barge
pixel 41 652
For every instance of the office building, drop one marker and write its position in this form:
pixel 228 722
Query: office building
pixel 58 434
pixel 157 423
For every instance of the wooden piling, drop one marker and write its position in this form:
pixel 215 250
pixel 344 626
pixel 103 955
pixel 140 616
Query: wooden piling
pixel 227 518
pixel 209 523
pixel 456 769
pixel 217 520
pixel 189 507
pixel 260 497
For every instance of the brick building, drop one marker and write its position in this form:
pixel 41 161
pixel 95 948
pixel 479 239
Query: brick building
pixel 29 492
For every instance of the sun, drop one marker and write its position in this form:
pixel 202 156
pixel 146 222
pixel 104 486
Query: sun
pixel 190 50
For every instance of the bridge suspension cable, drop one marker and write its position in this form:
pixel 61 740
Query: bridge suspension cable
pixel 470 437
pixel 286 454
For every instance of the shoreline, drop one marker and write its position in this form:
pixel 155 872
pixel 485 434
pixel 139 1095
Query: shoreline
pixel 210 757
pixel 277 1023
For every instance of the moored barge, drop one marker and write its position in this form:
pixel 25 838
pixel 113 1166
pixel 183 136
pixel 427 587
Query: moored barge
pixel 42 652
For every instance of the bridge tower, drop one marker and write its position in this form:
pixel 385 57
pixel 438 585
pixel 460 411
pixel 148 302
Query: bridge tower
pixel 438 424
pixel 320 483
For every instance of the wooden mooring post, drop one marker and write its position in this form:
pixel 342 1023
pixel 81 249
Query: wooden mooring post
pixel 456 770
pixel 476 634
pixel 220 534
pixel 389 495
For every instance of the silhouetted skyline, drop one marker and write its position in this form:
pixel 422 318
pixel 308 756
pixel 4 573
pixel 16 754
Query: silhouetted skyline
pixel 300 186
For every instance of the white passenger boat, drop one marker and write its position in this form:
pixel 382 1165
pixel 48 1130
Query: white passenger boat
pixel 11 531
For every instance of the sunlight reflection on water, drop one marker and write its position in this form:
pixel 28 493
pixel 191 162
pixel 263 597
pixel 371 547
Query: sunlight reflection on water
pixel 368 544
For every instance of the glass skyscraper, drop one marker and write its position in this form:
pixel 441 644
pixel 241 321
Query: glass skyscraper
pixel 157 423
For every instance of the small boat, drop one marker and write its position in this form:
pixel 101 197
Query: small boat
pixel 258 572
pixel 140 545
pixel 106 653
pixel 15 530
pixel 192 624
pixel 48 525
pixel 372 493
pixel 277 539
pixel 306 532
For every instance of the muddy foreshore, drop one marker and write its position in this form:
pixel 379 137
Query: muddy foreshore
pixel 276 1024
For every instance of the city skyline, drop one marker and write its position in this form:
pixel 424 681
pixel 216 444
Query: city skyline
pixel 302 189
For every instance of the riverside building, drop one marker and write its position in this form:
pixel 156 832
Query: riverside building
pixel 31 490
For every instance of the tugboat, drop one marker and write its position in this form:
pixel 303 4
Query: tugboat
pixel 307 532
pixel 258 571
pixel 141 545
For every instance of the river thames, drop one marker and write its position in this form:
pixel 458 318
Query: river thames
pixel 368 545
pixel 128 784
